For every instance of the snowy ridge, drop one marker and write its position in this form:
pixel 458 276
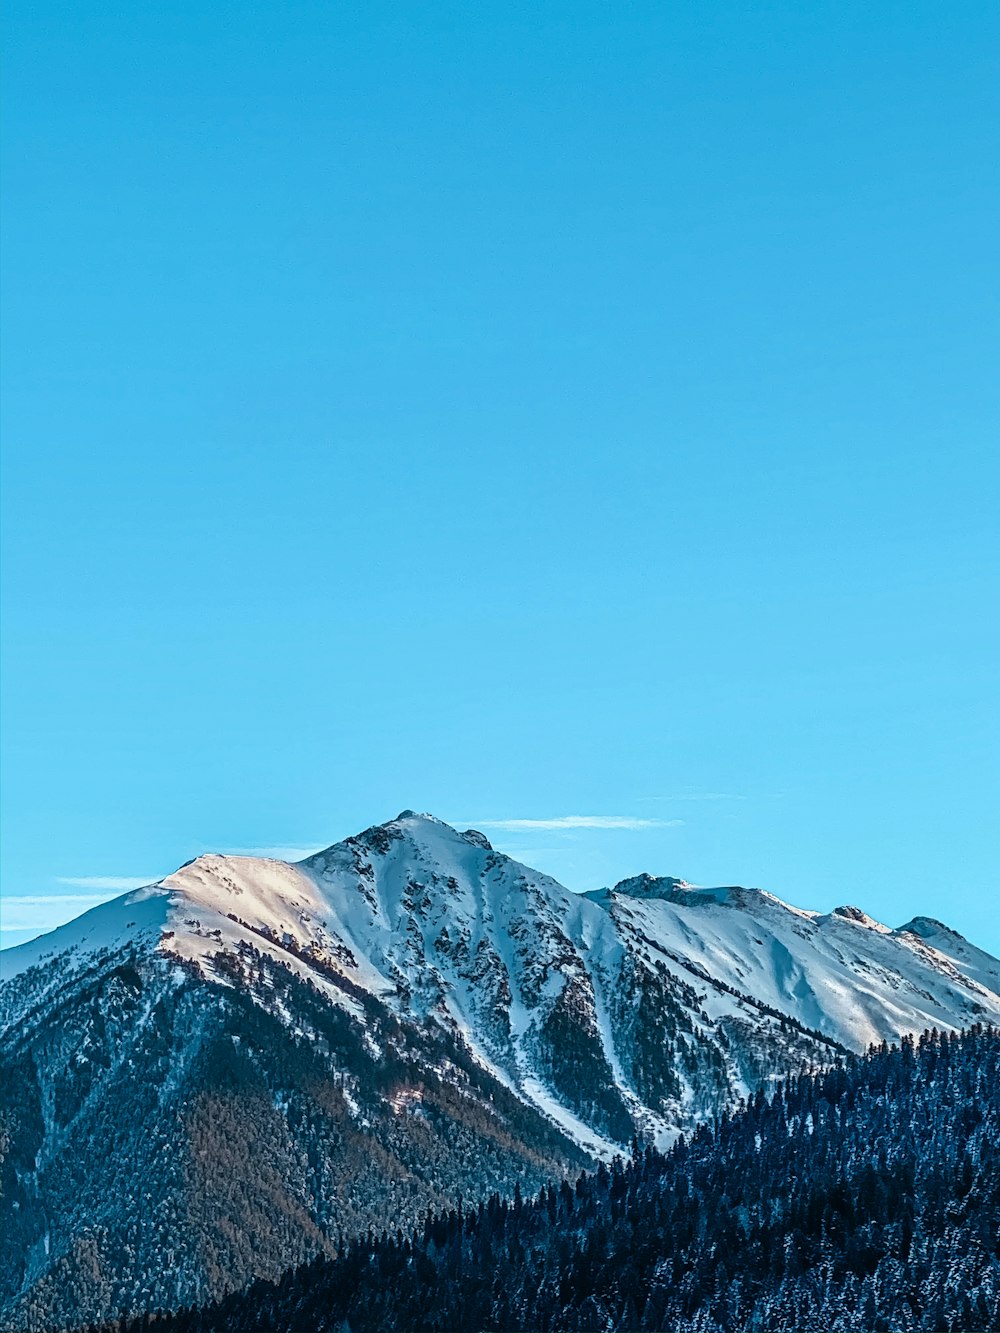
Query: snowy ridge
pixel 843 973
pixel 645 1006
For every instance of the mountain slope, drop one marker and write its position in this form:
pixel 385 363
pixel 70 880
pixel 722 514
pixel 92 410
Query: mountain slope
pixel 252 1057
pixel 867 1197
pixel 843 973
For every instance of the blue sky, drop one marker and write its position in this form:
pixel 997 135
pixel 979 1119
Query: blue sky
pixel 523 413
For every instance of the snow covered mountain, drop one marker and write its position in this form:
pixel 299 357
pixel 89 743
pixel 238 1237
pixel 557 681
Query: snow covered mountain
pixel 214 1076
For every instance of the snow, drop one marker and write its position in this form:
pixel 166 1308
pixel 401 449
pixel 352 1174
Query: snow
pixel 853 979
pixel 582 1134
pixel 136 916
pixel 434 922
pixel 971 962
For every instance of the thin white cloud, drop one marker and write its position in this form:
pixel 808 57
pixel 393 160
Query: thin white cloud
pixel 44 911
pixel 119 882
pixel 34 899
pixel 575 822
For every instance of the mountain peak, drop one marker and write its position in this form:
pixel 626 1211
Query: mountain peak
pixel 646 885
pixel 928 927
pixel 850 913
pixel 477 839
pixel 666 888
pixel 421 825
pixel 412 825
pixel 426 822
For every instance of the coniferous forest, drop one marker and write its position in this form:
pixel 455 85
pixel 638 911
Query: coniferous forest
pixel 864 1197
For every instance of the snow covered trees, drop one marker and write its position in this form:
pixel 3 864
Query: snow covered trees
pixel 865 1198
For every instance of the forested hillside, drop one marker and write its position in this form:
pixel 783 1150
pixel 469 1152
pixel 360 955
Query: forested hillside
pixel 865 1197
pixel 163 1142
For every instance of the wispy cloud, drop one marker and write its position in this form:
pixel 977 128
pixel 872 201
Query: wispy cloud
pixel 279 853
pixel 44 911
pixel 34 899
pixel 576 822
pixel 121 883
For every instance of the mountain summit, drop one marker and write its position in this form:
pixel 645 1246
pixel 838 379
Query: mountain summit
pixel 253 1057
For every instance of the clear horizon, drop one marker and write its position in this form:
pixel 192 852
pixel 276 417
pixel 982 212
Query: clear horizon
pixel 582 423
